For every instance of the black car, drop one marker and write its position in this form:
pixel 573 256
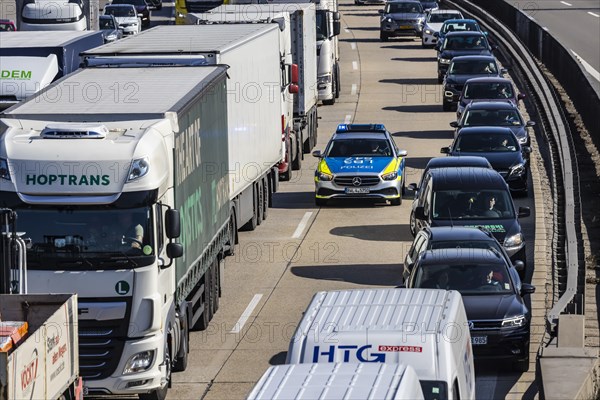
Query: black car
pixel 495 113
pixel 471 197
pixel 443 162
pixel 500 147
pixel 488 89
pixel 401 18
pixel 461 44
pixel 140 6
pixel 109 28
pixel 462 69
pixel 448 237
pixel 499 320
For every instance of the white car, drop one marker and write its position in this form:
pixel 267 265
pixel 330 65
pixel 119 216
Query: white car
pixel 126 17
pixel 433 23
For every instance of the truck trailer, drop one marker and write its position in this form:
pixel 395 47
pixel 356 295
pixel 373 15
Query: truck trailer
pixel 30 61
pixel 105 178
pixel 302 34
pixel 254 90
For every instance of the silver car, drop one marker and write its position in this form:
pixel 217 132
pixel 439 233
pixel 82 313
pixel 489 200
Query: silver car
pixel 401 18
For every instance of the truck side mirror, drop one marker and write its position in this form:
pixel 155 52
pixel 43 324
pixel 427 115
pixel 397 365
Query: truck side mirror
pixel 174 250
pixel 336 16
pixel 420 213
pixel 337 28
pixel 294 73
pixel 172 223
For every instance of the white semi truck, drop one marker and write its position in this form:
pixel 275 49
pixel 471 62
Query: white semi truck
pixel 301 31
pixel 255 117
pixel 99 167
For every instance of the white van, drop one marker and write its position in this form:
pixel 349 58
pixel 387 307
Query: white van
pixel 424 328
pixel 53 15
pixel 338 381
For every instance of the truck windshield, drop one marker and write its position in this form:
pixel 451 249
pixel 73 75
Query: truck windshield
pixel 322 26
pixel 72 234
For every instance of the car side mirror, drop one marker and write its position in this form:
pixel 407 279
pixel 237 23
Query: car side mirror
pixel 317 153
pixel 420 213
pixel 413 187
pixel 530 123
pixel 503 71
pixel 526 149
pixel 445 150
pixel 519 265
pixel 172 223
pixel 454 124
pixel 521 96
pixel 526 288
pixel 380 11
pixel 402 153
pixel 524 212
pixel 436 34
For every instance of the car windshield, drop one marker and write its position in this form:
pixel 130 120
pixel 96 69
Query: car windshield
pixel 473 205
pixel 460 26
pixel 466 277
pixel 409 8
pixel 107 23
pixel 487 90
pixel 360 148
pixel 473 67
pixel 439 18
pixel 465 43
pixel 120 11
pixel 134 2
pixel 483 143
pixel 492 118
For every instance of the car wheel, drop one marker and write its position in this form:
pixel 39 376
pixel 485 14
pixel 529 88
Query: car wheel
pixel 522 365
pixel 384 37
pixel 446 106
pixel 440 79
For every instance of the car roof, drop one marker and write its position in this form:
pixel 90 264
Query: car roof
pixel 455 256
pixel 490 79
pixel 488 130
pixel 491 105
pixel 458 161
pixel 474 58
pixel 464 33
pixel 443 233
pixel 454 178
pixel 450 21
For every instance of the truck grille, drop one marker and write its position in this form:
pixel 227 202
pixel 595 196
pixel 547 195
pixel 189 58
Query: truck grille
pixel 100 349
pixel 364 180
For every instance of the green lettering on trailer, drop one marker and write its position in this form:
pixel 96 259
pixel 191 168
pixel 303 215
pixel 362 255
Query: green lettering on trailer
pixel 15 74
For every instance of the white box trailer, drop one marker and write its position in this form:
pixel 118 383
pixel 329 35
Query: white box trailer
pixel 424 328
pixel 304 54
pixel 254 111
pixel 45 364
pixel 338 381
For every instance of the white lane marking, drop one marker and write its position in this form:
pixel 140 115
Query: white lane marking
pixel 587 66
pixel 566 4
pixel 301 225
pixel 353 91
pixel 348 119
pixel 353 46
pixel 246 314
pixel 594 14
pixel 354 65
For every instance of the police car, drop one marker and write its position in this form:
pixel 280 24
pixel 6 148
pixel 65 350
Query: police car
pixel 360 161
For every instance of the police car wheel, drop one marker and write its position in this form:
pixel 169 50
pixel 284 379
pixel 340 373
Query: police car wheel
pixel 320 202
pixel 396 202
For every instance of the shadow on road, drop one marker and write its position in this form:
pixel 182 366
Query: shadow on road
pixel 420 108
pixel 279 358
pixel 412 81
pixel 362 274
pixel 446 134
pixel 391 233
pixel 415 59
pixel 293 200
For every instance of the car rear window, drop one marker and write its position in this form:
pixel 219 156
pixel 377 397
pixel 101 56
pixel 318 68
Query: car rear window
pixel 488 90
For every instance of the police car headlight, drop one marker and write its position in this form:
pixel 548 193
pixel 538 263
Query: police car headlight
pixel 324 177
pixel 514 322
pixel 514 240
pixel 390 177
pixel 518 169
pixel 4 171
pixel 444 60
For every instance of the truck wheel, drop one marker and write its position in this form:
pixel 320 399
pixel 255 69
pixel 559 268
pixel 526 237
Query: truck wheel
pixel 232 234
pixel 265 203
pixel 297 163
pixel 160 394
pixel 251 225
pixel 258 210
pixel 287 175
pixel 205 318
pixel 338 83
pixel 180 364
pixel 215 286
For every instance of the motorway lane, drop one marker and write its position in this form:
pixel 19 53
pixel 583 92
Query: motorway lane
pixel 574 23
pixel 344 245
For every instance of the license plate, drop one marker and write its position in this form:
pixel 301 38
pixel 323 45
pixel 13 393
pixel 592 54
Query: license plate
pixel 406 27
pixel 478 340
pixel 355 190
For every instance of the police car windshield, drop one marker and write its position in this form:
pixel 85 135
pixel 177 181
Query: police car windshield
pixel 492 118
pixel 468 278
pixel 360 148
pixel 488 91
pixel 482 143
pixel 472 205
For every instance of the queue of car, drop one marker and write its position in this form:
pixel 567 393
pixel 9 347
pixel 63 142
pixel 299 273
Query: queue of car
pixel 467 230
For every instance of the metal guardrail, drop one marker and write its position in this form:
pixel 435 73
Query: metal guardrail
pixel 567 247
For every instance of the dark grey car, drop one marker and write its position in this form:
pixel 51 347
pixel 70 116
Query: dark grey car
pixel 401 18
pixel 487 89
